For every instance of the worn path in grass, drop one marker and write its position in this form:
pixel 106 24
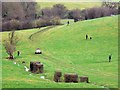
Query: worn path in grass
pixel 40 31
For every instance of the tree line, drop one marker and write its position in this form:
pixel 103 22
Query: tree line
pixel 23 15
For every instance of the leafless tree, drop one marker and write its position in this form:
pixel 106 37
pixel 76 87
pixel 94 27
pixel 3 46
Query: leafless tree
pixel 110 4
pixel 15 13
pixel 47 12
pixel 97 12
pixel 59 10
pixel 76 14
pixel 10 44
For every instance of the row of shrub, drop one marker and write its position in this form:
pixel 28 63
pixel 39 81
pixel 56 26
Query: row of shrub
pixel 91 13
pixel 77 14
pixel 51 16
pixel 97 12
pixel 28 24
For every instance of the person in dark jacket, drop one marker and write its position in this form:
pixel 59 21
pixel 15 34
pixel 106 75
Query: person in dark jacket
pixel 68 23
pixel 110 57
pixel 18 53
pixel 86 36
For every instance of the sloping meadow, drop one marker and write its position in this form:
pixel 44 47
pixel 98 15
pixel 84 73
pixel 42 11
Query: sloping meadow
pixel 65 48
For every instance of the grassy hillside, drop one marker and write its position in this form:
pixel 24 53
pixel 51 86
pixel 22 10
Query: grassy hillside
pixel 69 5
pixel 65 48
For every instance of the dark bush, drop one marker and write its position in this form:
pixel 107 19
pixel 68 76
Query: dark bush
pixel 26 24
pixel 47 21
pixel 14 24
pixel 55 20
pixel 58 10
pixel 76 14
pixel 17 25
pixel 97 12
pixel 10 25
pixel 6 26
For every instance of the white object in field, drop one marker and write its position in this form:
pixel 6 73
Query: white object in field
pixel 38 51
pixel 14 62
pixel 42 77
pixel 26 69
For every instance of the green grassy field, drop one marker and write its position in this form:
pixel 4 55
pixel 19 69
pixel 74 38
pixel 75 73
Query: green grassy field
pixel 65 48
pixel 69 5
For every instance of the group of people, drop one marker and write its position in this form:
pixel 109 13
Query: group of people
pixel 110 56
pixel 87 37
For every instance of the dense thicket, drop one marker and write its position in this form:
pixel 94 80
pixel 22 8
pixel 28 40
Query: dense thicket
pixel 97 12
pixel 23 15
pixel 14 14
pixel 18 10
pixel 58 10
pixel 107 9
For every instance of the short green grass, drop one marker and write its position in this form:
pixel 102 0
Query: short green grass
pixel 65 48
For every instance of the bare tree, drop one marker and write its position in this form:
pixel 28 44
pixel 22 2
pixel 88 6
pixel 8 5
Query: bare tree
pixel 12 10
pixel 15 14
pixel 47 12
pixel 10 44
pixel 29 10
pixel 76 14
pixel 110 4
pixel 97 12
pixel 59 10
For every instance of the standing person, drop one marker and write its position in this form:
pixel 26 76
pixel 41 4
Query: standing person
pixel 110 57
pixel 68 23
pixel 86 36
pixel 18 52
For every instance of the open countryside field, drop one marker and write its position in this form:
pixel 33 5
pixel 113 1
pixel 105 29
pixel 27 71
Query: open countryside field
pixel 65 48
pixel 70 5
